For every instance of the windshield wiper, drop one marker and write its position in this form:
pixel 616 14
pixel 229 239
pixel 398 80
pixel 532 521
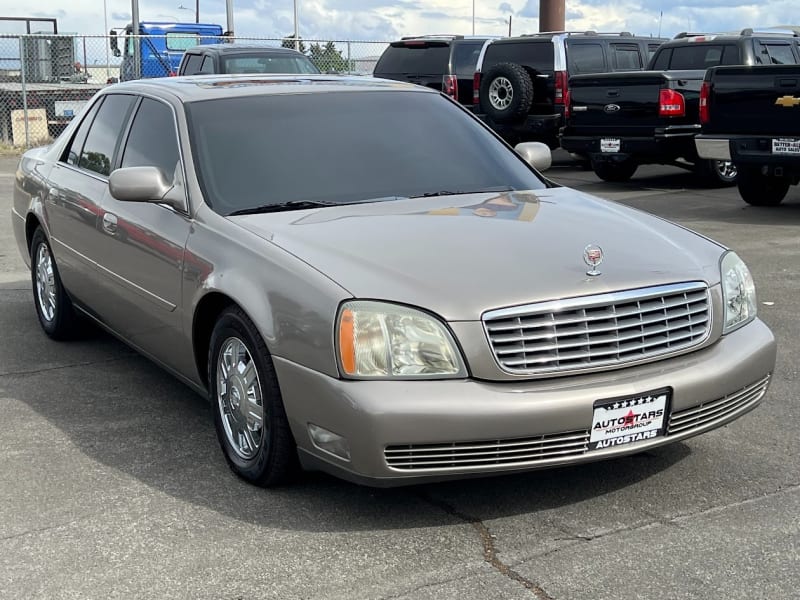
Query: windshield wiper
pixel 281 206
pixel 459 192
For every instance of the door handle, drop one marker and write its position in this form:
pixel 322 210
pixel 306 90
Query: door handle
pixel 110 223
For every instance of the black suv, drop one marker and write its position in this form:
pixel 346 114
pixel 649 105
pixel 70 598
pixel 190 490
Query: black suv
pixel 443 62
pixel 694 51
pixel 241 58
pixel 521 83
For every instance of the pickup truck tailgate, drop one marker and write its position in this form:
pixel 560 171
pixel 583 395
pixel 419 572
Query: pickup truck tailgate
pixel 627 104
pixel 759 100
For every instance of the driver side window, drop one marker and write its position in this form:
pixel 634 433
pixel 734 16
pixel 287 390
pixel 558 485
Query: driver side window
pixel 152 141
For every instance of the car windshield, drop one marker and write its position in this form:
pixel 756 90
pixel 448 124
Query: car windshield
pixel 268 64
pixel 342 147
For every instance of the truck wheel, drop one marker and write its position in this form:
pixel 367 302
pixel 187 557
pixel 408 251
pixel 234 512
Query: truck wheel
pixel 717 173
pixel 506 93
pixel 614 171
pixel 758 189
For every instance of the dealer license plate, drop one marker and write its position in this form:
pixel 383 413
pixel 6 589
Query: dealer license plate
pixel 623 421
pixel 610 144
pixel 785 146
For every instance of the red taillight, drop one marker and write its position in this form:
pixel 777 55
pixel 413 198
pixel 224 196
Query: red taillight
pixel 450 86
pixel 561 87
pixel 671 104
pixel 567 103
pixel 705 92
pixel 476 88
pixel 172 74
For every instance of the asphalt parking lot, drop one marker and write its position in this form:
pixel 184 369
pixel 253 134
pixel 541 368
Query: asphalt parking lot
pixel 112 484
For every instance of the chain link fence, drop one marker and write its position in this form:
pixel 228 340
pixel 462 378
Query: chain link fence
pixel 45 80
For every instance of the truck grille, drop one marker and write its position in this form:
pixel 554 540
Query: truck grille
pixel 699 416
pixel 604 330
pixel 487 453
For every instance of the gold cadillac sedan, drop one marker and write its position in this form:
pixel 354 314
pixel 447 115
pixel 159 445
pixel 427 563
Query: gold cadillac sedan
pixel 362 278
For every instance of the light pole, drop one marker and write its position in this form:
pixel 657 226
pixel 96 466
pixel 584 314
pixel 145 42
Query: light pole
pixel 296 38
pixel 106 32
pixel 473 17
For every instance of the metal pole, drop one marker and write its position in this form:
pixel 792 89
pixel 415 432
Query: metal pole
pixel 229 15
pixel 108 41
pixel 551 15
pixel 196 11
pixel 22 59
pixel 296 37
pixel 473 17
pixel 137 51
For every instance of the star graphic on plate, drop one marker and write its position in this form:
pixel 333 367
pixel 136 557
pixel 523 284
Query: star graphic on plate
pixel 616 405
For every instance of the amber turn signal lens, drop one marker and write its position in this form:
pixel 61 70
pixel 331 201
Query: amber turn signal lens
pixel 347 350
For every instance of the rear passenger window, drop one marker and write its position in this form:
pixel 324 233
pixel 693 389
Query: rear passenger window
pixel 651 50
pixel 73 153
pixel 730 56
pixel 775 54
pixel 208 65
pixel 465 58
pixel 103 138
pixel 193 62
pixel 662 60
pixel 586 58
pixel 152 141
pixel 626 57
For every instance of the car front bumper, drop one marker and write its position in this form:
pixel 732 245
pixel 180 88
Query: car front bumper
pixel 710 388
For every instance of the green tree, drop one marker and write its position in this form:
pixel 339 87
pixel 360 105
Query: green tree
pixel 328 58
pixel 289 42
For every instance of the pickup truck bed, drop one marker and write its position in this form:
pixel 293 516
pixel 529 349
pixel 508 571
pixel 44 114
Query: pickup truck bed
pixel 622 120
pixel 751 116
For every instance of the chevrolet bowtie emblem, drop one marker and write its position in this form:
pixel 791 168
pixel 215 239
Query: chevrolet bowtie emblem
pixel 788 101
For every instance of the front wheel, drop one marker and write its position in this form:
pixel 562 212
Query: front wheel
pixel 53 305
pixel 718 173
pixel 613 171
pixel 249 416
pixel 758 189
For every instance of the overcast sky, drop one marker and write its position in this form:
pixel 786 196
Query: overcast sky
pixel 388 19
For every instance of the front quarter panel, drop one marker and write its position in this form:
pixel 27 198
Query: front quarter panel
pixel 293 305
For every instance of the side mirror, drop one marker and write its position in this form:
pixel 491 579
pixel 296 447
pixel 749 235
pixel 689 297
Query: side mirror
pixel 146 184
pixel 536 154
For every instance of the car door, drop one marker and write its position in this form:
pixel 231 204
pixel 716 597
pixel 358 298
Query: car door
pixel 77 185
pixel 142 252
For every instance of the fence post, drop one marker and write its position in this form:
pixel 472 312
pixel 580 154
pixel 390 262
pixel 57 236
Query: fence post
pixel 22 59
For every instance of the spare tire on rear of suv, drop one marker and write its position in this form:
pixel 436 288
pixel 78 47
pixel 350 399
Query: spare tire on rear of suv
pixel 506 92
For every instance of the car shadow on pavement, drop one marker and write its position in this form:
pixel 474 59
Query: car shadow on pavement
pixel 121 411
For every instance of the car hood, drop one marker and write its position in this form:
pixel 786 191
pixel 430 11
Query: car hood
pixel 459 256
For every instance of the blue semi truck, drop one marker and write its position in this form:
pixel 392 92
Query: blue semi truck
pixel 161 46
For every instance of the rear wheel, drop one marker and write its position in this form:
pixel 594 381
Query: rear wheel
pixel 249 416
pixel 506 92
pixel 720 173
pixel 614 171
pixel 53 306
pixel 758 189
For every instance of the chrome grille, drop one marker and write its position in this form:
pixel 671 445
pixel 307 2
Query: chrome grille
pixel 487 453
pixel 604 330
pixel 698 416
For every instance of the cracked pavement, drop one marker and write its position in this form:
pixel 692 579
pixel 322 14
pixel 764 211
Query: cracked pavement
pixel 112 484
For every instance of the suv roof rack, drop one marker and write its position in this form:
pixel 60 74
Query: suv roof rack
pixel 586 32
pixel 685 34
pixel 787 30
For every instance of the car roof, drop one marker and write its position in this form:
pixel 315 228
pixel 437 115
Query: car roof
pixel 209 87
pixel 685 37
pixel 235 48
pixel 594 35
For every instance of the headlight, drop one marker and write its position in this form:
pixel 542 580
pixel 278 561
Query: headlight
pixel 382 340
pixel 738 292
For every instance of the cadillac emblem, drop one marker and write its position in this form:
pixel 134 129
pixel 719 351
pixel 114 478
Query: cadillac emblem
pixel 593 256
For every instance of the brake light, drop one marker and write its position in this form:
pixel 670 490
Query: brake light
pixel 450 86
pixel 567 104
pixel 705 92
pixel 476 88
pixel 671 104
pixel 561 87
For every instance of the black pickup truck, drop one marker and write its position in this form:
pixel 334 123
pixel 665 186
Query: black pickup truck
pixel 751 116
pixel 620 121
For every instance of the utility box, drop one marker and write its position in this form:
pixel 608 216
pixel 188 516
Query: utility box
pixel 48 58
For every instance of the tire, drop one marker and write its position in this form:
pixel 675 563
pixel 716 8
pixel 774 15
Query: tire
pixel 758 189
pixel 265 455
pixel 506 93
pixel 53 305
pixel 614 172
pixel 717 173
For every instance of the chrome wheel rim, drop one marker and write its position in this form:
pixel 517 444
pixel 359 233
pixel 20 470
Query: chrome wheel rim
pixel 45 283
pixel 239 399
pixel 726 169
pixel 501 92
